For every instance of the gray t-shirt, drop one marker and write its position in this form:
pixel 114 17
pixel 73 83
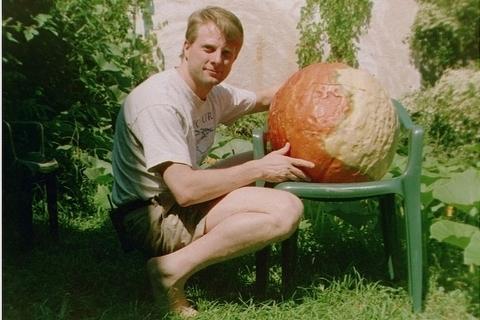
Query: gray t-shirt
pixel 164 120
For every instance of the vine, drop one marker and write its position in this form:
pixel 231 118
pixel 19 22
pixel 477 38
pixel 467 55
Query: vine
pixel 333 24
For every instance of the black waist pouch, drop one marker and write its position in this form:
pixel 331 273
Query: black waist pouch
pixel 117 216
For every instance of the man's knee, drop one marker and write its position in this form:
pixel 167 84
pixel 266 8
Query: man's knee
pixel 290 212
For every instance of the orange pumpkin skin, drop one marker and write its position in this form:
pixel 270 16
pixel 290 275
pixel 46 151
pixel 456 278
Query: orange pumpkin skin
pixel 323 110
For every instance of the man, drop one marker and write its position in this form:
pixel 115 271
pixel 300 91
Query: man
pixel 184 217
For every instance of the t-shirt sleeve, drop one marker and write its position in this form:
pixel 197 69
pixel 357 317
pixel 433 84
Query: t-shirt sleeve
pixel 235 103
pixel 162 133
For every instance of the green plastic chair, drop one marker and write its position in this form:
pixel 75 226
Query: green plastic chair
pixel 25 164
pixel 407 185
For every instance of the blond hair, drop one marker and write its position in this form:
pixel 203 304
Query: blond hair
pixel 226 22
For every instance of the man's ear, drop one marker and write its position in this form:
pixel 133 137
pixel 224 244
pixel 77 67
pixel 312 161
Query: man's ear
pixel 186 47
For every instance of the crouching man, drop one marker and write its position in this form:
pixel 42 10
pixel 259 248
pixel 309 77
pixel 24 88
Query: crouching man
pixel 186 218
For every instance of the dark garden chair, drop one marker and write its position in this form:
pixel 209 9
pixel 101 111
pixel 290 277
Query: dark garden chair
pixel 405 188
pixel 24 166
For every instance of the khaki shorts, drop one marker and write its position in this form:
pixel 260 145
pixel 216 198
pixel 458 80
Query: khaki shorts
pixel 164 227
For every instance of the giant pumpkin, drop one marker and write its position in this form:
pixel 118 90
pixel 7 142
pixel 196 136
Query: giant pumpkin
pixel 338 117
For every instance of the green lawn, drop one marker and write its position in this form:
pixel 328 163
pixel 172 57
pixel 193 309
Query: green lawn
pixel 340 275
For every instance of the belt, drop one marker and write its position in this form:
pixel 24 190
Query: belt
pixel 117 215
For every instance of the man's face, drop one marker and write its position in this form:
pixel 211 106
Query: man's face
pixel 209 58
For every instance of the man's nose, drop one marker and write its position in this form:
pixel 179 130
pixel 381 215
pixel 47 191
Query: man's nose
pixel 216 56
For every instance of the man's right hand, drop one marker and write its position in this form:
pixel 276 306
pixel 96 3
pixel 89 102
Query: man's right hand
pixel 278 167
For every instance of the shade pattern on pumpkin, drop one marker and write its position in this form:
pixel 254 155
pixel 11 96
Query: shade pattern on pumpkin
pixel 338 117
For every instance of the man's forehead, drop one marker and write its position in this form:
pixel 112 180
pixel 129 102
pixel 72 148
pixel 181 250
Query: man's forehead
pixel 210 32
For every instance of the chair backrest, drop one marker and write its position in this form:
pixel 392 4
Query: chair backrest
pixel 405 119
pixel 415 141
pixel 27 139
pixel 8 148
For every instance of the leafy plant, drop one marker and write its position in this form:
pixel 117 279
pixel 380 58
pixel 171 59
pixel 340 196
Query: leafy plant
pixel 457 194
pixel 461 235
pixel 243 127
pixel 69 64
pixel 448 111
pixel 333 24
pixel 445 49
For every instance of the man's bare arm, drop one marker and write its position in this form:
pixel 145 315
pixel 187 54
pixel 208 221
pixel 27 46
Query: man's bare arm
pixel 191 186
pixel 264 98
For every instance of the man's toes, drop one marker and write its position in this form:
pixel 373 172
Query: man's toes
pixel 185 311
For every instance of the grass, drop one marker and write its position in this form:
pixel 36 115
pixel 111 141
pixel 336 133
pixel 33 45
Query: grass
pixel 340 275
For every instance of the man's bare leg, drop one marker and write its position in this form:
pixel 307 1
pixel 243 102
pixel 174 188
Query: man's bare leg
pixel 244 221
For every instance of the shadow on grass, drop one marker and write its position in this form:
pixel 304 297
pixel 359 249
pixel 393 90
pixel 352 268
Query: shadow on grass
pixel 336 251
pixel 87 276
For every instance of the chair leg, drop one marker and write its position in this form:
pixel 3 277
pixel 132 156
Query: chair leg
pixel 261 265
pixel 25 212
pixel 289 262
pixel 416 248
pixel 51 186
pixel 389 231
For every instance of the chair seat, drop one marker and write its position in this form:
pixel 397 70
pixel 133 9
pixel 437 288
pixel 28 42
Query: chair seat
pixel 43 167
pixel 359 190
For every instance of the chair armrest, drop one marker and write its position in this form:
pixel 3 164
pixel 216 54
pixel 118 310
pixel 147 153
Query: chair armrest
pixel 258 141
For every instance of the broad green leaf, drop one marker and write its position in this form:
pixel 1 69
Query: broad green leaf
pixel 42 18
pixel 105 179
pixel 104 64
pixel 108 66
pixel 30 33
pixel 10 36
pixel 101 176
pixel 461 189
pixel 99 58
pixel 397 167
pixel 119 94
pixel 94 173
pixel 101 197
pixel 65 147
pixel 99 9
pixel 115 50
pixel 426 195
pixel 107 166
pixel 471 254
pixel 454 233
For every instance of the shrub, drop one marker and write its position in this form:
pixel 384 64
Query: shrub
pixel 68 64
pixel 445 35
pixel 449 111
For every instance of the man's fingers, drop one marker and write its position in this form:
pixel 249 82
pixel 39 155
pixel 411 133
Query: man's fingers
pixel 283 150
pixel 302 163
pixel 299 175
pixel 295 161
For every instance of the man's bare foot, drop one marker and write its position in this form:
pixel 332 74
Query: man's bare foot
pixel 167 287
